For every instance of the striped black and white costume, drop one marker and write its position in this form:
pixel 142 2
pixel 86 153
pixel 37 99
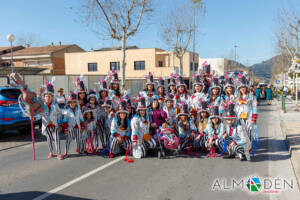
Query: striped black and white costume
pixel 185 131
pixel 90 136
pixel 73 122
pixel 117 129
pixel 104 123
pixel 51 119
pixel 215 135
pixel 236 136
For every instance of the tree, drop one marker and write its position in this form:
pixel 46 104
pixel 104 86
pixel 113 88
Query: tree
pixel 26 39
pixel 287 37
pixel 120 19
pixel 178 26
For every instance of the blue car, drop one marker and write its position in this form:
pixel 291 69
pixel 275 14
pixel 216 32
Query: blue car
pixel 11 116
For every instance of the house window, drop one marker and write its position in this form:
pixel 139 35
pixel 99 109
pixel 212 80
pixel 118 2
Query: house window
pixel 92 67
pixel 114 65
pixel 160 63
pixel 195 68
pixel 139 65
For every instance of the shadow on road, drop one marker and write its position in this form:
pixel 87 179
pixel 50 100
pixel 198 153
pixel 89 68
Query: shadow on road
pixel 17 136
pixel 265 153
pixel 33 194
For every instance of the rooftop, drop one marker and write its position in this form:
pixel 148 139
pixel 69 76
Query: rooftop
pixel 116 48
pixel 4 50
pixel 39 50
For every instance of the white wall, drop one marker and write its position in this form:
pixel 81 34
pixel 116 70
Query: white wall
pixel 217 64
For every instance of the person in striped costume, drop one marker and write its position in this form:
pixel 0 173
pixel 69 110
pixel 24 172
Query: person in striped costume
pixel 215 132
pixel 229 97
pixel 198 95
pixel 120 130
pixel 236 137
pixel 149 93
pixel 186 128
pixel 104 125
pixel 90 132
pixel 51 120
pixel 73 124
pixel 215 93
pixel 202 119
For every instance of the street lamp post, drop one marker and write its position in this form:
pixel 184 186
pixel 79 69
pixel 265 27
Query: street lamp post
pixel 11 38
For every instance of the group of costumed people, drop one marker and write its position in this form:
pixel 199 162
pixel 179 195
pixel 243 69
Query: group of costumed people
pixel 218 118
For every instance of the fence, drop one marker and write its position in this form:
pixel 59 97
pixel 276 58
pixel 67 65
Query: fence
pixel 67 82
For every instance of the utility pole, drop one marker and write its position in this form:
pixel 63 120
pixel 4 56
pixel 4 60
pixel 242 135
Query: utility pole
pixel 194 46
pixel 235 55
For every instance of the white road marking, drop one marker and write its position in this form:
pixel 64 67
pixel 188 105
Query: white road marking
pixel 76 180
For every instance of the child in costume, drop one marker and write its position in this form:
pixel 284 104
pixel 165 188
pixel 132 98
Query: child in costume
pixel 215 132
pixel 207 77
pixel 186 128
pixel 81 93
pixel 203 117
pixel 229 97
pixel 170 110
pixel 198 95
pixel 167 138
pixel 120 130
pixel 140 129
pixel 104 125
pixel 51 120
pixel 90 129
pixel 238 143
pixel 150 91
pixel 215 93
pixel 73 124
pixel 246 107
pixel 93 105
pixel 102 90
pixel 60 98
pixel 156 116
pixel 131 108
pixel 161 90
pixel 115 91
pixel 172 85
pixel 182 94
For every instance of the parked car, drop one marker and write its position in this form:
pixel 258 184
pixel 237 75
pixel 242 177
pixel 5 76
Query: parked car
pixel 11 116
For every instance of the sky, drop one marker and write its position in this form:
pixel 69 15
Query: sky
pixel 249 24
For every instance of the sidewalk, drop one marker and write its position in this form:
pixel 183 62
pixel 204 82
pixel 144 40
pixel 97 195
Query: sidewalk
pixel 290 125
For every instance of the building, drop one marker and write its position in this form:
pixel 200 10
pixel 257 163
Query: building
pixel 139 61
pixel 216 64
pixel 49 58
pixel 6 50
pixel 223 65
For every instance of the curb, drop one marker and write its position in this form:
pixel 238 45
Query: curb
pixel 293 157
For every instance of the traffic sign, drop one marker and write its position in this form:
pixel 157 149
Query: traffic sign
pixel 277 81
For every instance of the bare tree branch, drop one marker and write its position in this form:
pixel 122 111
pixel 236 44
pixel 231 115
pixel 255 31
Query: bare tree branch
pixel 178 26
pixel 117 18
pixel 113 31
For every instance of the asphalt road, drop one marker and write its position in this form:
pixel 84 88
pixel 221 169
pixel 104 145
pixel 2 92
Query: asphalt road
pixel 95 177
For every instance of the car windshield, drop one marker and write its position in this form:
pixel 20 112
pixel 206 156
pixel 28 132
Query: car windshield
pixel 10 93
